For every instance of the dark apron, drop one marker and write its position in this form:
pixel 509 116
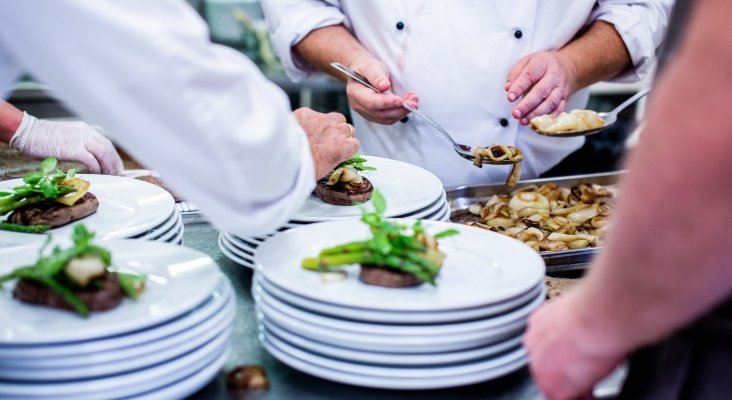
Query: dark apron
pixel 695 363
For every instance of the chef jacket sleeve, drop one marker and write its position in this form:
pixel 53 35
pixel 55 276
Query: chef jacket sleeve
pixel 202 115
pixel 291 20
pixel 641 25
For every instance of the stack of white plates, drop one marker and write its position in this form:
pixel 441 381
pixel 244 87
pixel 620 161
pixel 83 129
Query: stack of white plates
pixel 128 208
pixel 466 329
pixel 410 192
pixel 167 344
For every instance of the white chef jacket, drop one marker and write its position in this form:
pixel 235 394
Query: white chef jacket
pixel 456 56
pixel 202 115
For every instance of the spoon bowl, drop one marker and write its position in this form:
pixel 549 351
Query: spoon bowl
pixel 463 150
pixel 609 117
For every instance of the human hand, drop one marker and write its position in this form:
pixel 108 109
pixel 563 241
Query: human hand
pixel 568 356
pixel 383 108
pixel 332 140
pixel 67 141
pixel 545 80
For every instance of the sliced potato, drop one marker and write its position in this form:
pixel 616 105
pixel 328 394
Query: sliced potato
pixel 81 187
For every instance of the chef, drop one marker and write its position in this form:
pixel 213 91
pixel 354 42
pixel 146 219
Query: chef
pixel 480 68
pixel 202 115
pixel 65 140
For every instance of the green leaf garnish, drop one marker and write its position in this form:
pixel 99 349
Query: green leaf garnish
pixel 38 186
pixel 392 245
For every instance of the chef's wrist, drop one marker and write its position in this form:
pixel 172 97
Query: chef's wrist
pixel 23 132
pixel 569 66
pixel 10 120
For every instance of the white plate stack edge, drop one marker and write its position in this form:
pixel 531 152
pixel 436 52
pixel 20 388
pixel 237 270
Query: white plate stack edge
pixel 167 344
pixel 466 329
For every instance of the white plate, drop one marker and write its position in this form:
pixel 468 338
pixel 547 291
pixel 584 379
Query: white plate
pixel 224 247
pixel 397 344
pixel 247 244
pixel 133 343
pixel 439 214
pixel 406 188
pixel 124 385
pixel 190 384
pixel 480 268
pixel 370 357
pixel 161 229
pixel 147 360
pixel 127 207
pixel 178 279
pixel 398 317
pixel 118 359
pixel 178 238
pixel 393 383
pixel 392 331
pixel 425 372
pixel 244 251
pixel 172 233
pixel 430 210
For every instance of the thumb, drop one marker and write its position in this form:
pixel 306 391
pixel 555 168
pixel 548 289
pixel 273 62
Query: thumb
pixel 88 159
pixel 377 74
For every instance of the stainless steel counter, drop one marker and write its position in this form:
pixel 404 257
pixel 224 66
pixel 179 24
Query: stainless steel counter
pixel 288 383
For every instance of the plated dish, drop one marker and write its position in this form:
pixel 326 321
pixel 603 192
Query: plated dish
pixel 80 278
pixel 127 208
pixel 345 185
pixel 395 256
pixel 45 199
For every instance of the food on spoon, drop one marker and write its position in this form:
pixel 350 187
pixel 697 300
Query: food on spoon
pixel 345 186
pixel 549 217
pixel 78 278
pixel 395 256
pixel 575 120
pixel 48 198
pixel 501 153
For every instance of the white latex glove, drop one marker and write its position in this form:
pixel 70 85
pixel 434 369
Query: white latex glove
pixel 67 141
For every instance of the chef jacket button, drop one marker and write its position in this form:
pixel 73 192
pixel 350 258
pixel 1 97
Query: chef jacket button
pixel 400 25
pixel 518 34
pixel 404 120
pixel 503 122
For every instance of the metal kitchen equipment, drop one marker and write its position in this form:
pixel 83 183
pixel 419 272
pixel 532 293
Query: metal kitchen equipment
pixel 460 197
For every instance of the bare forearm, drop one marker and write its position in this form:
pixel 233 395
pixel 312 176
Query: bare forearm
pixel 598 54
pixel 667 258
pixel 10 118
pixel 330 44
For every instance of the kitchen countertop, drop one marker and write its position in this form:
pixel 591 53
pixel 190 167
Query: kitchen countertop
pixel 288 383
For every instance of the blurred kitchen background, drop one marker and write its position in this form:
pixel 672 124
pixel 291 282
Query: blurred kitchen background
pixel 240 24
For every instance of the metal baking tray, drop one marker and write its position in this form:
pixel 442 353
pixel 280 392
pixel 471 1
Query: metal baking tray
pixel 460 197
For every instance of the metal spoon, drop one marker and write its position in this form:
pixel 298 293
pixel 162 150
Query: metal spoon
pixel 609 117
pixel 463 150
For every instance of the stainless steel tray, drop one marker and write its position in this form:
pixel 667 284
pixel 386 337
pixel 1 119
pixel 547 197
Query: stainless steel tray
pixel 460 197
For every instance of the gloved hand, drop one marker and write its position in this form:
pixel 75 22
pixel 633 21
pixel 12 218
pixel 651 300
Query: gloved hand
pixel 67 141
